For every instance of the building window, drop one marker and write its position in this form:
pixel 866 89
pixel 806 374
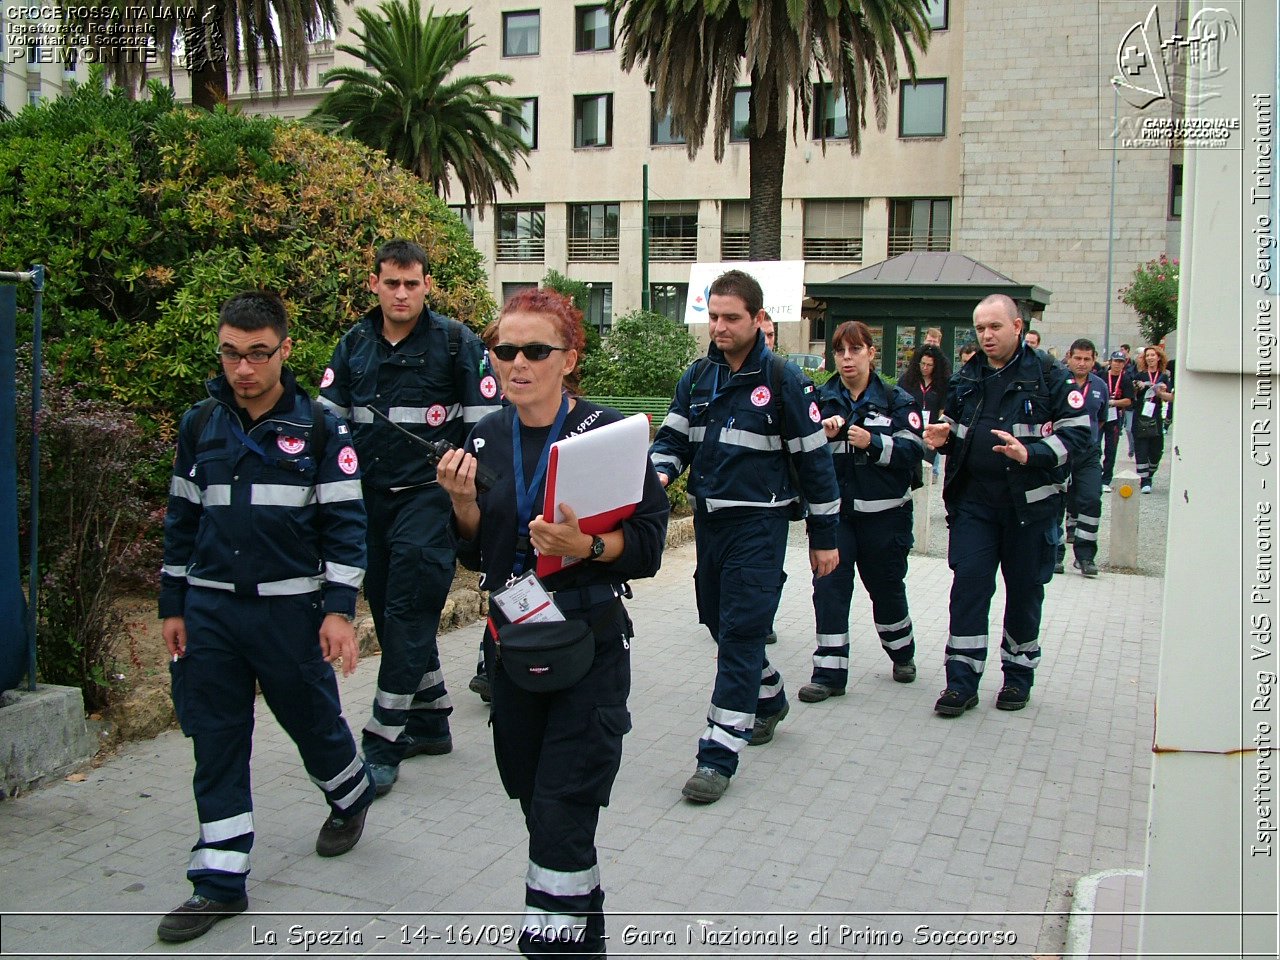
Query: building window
pixel 599 312
pixel 919 224
pixel 660 132
pixel 935 14
pixel 740 128
pixel 521 33
pixel 509 290
pixel 923 111
pixel 33 98
pixel 593 29
pixel 673 230
pixel 833 230
pixel 593 231
pixel 33 57
pixel 525 122
pixel 735 230
pixel 830 115
pixel 669 299
pixel 593 120
pixel 467 216
pixel 521 233
pixel 69 59
pixel 1175 192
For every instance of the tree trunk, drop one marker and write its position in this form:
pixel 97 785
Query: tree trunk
pixel 768 157
pixel 206 63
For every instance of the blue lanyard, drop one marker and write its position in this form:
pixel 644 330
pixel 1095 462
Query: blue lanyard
pixel 525 493
pixel 300 464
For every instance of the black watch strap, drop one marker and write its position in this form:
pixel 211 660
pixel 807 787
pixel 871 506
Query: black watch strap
pixel 597 548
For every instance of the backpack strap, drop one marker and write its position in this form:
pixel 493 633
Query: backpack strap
pixel 322 433
pixel 204 411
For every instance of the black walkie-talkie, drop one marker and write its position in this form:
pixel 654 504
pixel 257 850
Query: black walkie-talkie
pixel 437 449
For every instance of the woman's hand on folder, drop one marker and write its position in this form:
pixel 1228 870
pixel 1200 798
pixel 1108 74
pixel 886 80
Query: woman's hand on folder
pixel 560 539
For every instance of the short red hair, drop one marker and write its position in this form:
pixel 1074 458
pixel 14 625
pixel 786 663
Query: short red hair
pixel 560 309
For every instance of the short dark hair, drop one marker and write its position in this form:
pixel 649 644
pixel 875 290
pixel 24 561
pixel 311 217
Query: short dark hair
pixel 1082 345
pixel 1125 346
pixel 253 310
pixel 852 333
pixel 738 283
pixel 403 253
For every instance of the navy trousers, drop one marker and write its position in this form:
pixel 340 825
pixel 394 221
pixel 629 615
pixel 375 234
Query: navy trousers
pixel 558 754
pixel 232 643
pixel 738 584
pixel 1084 506
pixel 876 544
pixel 984 539
pixel 411 566
pixel 1110 446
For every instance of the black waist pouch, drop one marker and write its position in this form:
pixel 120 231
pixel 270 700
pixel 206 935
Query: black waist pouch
pixel 546 656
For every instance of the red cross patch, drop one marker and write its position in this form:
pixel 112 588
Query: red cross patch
pixel 1075 399
pixel 348 463
pixel 290 445
pixel 435 415
pixel 913 418
pixel 488 388
pixel 327 378
pixel 760 396
pixel 1046 430
pixel 814 414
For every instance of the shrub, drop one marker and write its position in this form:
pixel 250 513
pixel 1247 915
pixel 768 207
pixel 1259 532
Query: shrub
pixel 1154 295
pixel 643 356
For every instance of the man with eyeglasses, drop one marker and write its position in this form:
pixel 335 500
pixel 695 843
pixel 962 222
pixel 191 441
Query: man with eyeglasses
pixel 263 556
pixel 428 374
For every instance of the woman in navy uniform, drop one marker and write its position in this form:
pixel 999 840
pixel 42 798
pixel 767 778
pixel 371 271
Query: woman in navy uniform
pixel 873 431
pixel 558 752
pixel 1151 391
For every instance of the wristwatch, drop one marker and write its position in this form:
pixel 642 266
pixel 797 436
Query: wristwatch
pixel 597 548
pixel 349 617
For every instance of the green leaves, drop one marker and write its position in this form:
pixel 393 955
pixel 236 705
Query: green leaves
pixel 1153 294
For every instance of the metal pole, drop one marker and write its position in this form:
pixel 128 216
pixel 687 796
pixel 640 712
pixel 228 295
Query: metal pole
pixel 1111 216
pixel 37 358
pixel 644 238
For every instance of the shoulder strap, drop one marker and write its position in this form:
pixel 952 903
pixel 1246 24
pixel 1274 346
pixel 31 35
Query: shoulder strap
pixel 776 366
pixel 322 432
pixel 204 411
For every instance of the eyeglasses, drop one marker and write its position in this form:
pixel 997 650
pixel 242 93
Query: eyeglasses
pixel 533 351
pixel 233 357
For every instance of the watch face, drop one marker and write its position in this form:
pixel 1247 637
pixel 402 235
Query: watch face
pixel 597 547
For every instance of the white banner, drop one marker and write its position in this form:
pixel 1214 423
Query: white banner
pixel 781 280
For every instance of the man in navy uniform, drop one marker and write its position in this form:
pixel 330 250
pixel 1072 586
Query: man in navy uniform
pixel 263 556
pixel 427 373
pixel 735 437
pixel 1084 494
pixel 1011 422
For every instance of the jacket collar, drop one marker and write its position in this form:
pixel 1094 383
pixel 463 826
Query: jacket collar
pixel 415 342
pixel 293 394
pixel 754 362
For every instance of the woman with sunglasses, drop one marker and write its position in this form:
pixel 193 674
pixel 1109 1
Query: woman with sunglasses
pixel 558 752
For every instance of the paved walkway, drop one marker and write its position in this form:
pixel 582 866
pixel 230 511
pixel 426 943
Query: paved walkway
pixel 869 824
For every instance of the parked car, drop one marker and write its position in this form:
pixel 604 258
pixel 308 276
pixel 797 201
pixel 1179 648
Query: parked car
pixel 808 361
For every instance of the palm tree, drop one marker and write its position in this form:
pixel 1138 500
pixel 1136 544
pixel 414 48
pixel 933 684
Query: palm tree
pixel 406 104
pixel 693 52
pixel 214 35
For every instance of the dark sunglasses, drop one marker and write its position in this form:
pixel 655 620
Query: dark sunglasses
pixel 533 351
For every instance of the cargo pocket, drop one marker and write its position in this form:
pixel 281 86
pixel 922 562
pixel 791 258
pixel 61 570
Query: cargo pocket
pixel 321 695
pixel 602 751
pixel 1048 554
pixel 178 691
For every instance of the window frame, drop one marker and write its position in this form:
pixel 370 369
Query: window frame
pixel 820 92
pixel 905 242
pixel 578 14
pixel 902 106
pixel 590 247
pixel 655 122
pixel 733 122
pixel 1176 173
pixel 530 136
pixel 580 100
pixel 520 248
pixel 930 14
pixel 507 17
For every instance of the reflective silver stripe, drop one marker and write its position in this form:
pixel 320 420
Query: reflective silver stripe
pixel 832 663
pixel 910 437
pixel 342 574
pixel 224 861
pixel 1083 533
pixel 477 413
pixel 351 796
pixel 663 460
pixel 833 639
pixel 220 830
pixel 217 495
pixel 887 627
pixel 386 732
pixel 697 434
pixel 839 447
pixel 808 443
pixel 1031 646
pixel 949 420
pixel 419 414
pixel 676 422
pixel 713 505
pixel 724 738
pixel 430 679
pixel 730 718
pixel 539 922
pixel 976 642
pixel 280 495
pixel 1027 429
pixel 886 451
pixel 562 883
pixel 1081 420
pixel 184 488
pixel 977 665
pixel 210 584
pixel 338 491
pixel 289 588
pixel 898 644
pixel 879 506
pixel 960 428
pixel 830 508
pixel 1058 447
pixel 351 770
pixel 1036 494
pixel 174 571
pixel 344 412
pixel 768 673
pixel 393 701
pixel 1091 521
pixel 441 702
pixel 360 415
pixel 1020 660
pixel 750 440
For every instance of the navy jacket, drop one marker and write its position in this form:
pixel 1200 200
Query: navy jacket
pixel 725 428
pixel 878 478
pixel 1041 407
pixel 270 524
pixel 417 384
